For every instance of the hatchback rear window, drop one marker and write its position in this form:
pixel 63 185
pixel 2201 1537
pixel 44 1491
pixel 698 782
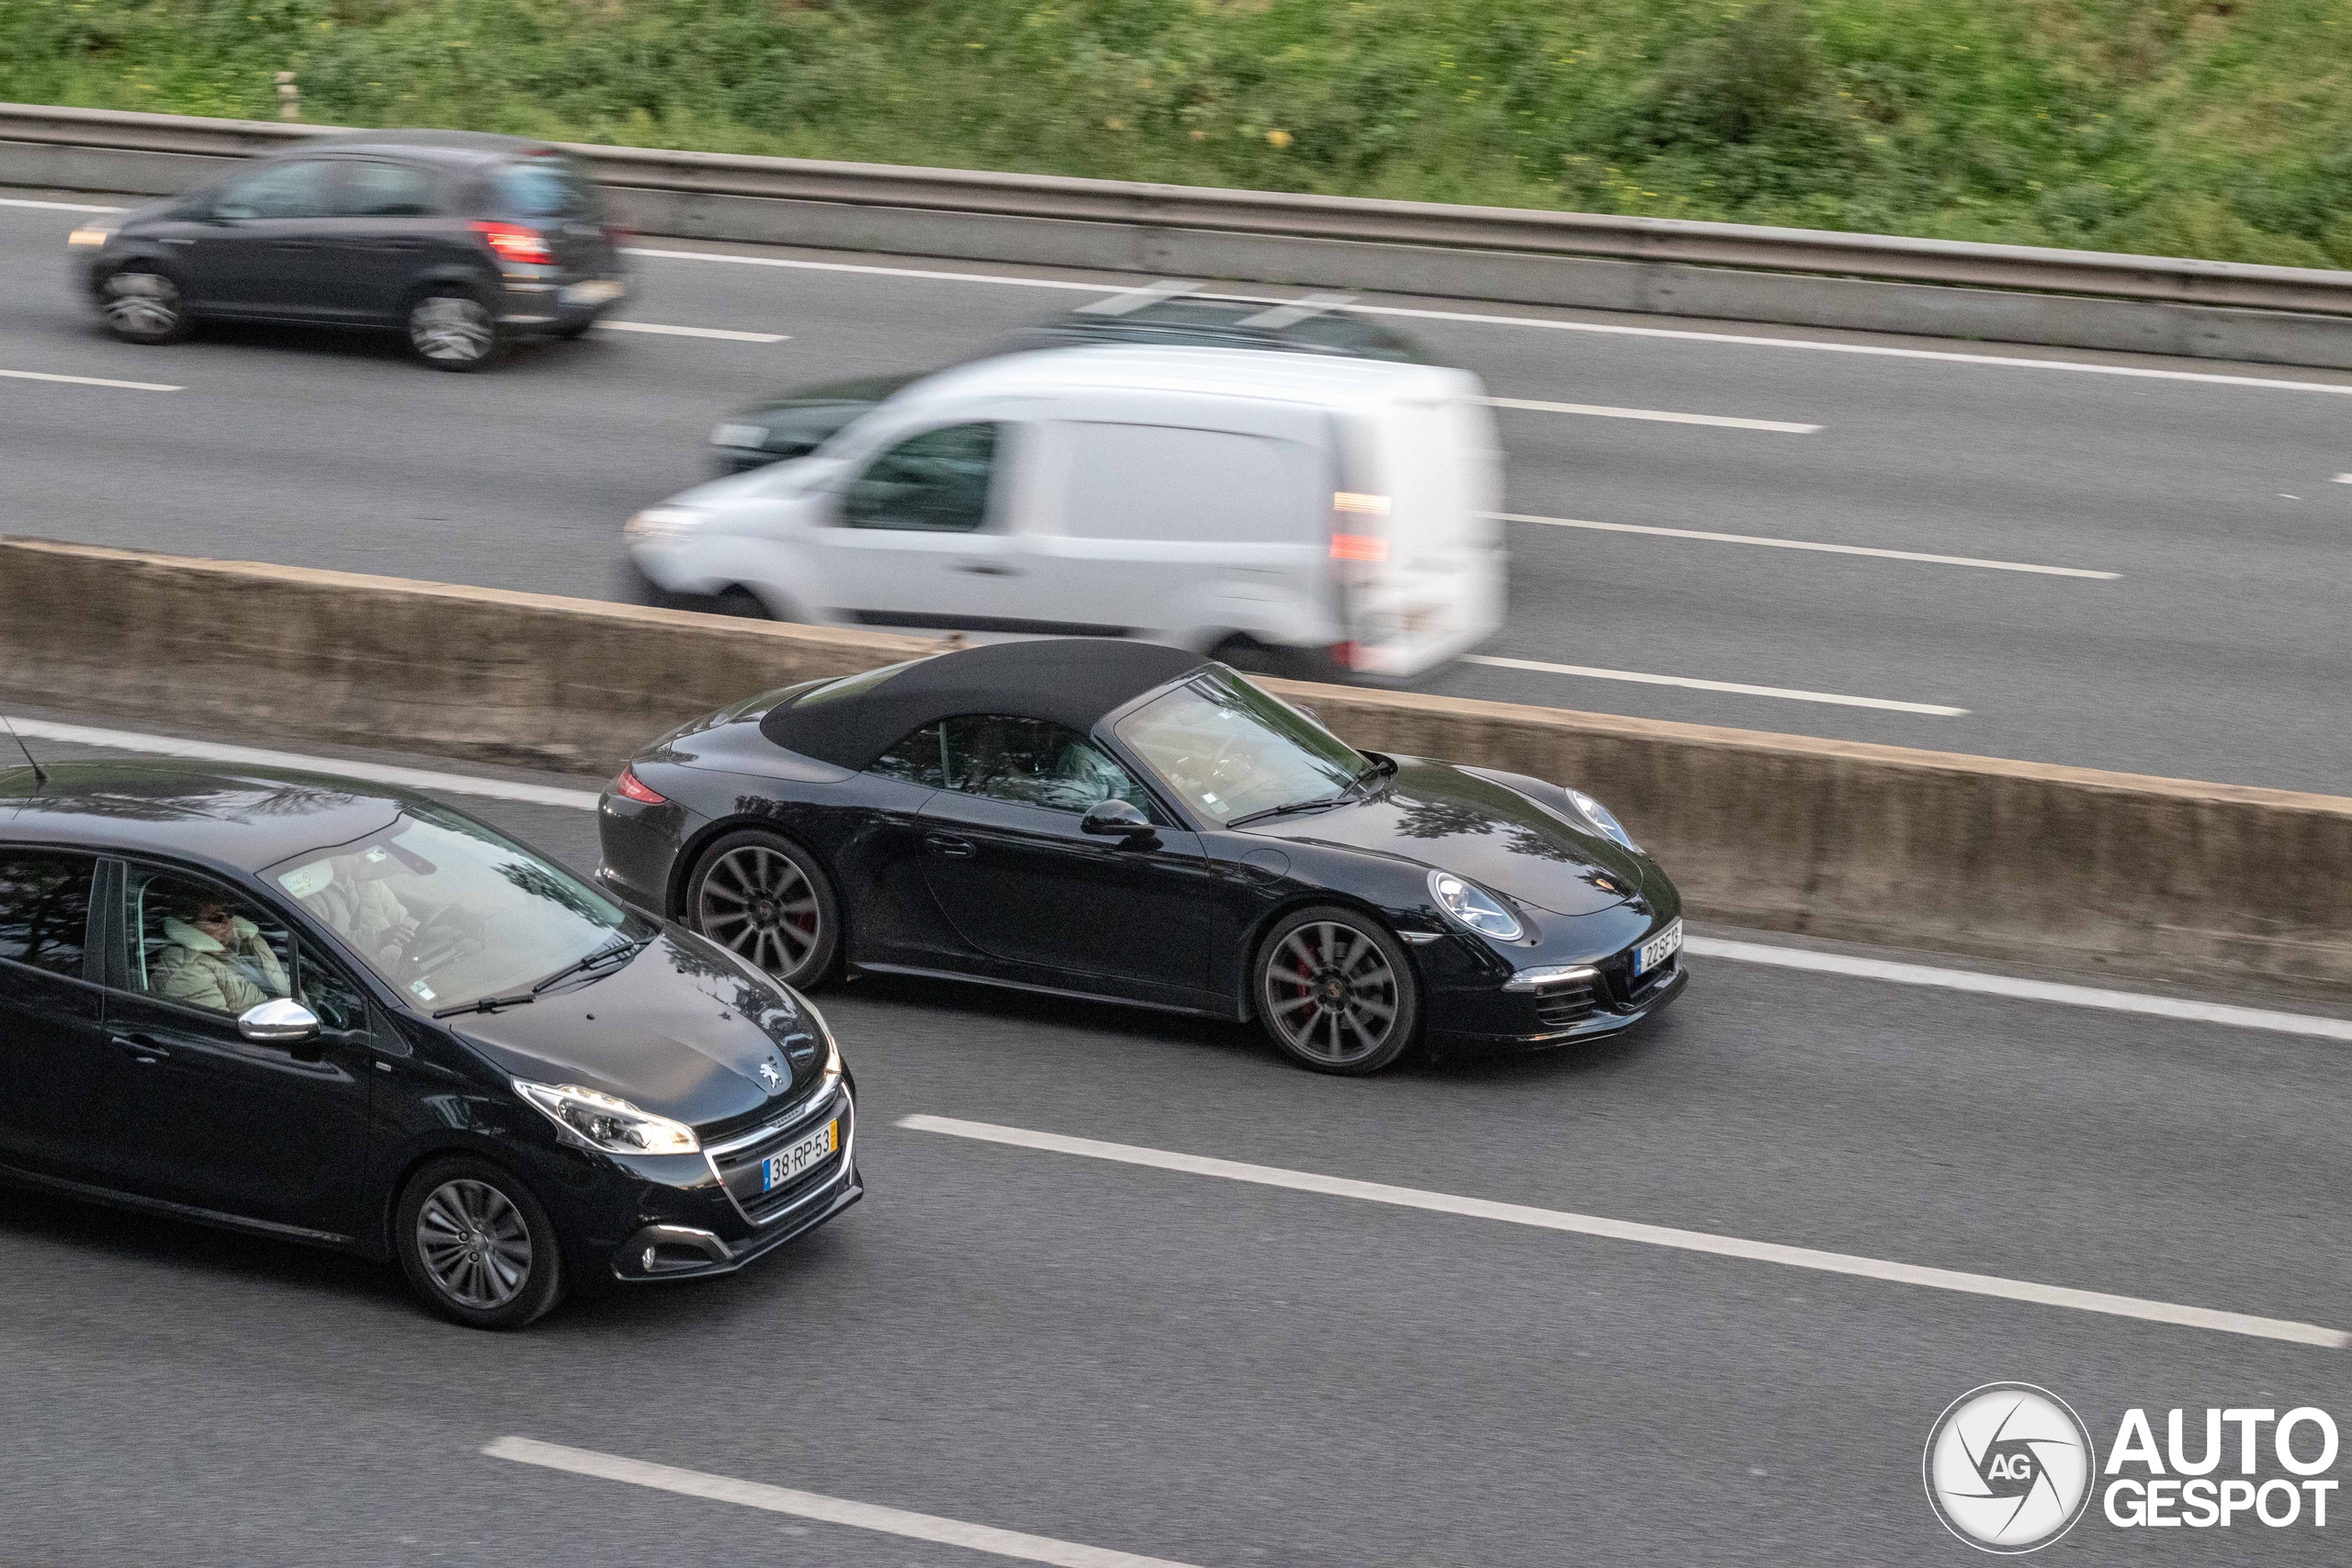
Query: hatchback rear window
pixel 543 187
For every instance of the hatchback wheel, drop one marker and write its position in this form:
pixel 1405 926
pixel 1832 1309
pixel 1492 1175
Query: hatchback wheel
pixel 142 307
pixel 1336 992
pixel 767 899
pixel 453 332
pixel 476 1246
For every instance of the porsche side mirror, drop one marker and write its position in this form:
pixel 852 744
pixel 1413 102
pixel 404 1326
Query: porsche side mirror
pixel 280 1021
pixel 1115 820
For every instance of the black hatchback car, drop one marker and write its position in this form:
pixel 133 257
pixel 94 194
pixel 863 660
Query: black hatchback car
pixel 1124 821
pixel 460 241
pixel 350 1015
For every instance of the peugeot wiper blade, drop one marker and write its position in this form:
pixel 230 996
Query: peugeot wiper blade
pixel 1318 804
pixel 600 955
pixel 488 1004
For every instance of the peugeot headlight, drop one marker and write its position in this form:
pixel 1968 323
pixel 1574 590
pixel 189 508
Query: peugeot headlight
pixel 1472 905
pixel 1602 818
pixel 602 1122
pixel 825 1032
pixel 660 524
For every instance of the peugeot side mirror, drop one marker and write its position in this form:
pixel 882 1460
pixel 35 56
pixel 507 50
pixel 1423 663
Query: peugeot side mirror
pixel 1115 820
pixel 281 1021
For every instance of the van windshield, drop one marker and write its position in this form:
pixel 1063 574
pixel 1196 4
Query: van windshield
pixel 449 912
pixel 1233 752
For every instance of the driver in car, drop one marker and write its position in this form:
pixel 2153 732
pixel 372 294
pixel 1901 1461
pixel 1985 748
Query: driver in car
pixel 362 909
pixel 215 958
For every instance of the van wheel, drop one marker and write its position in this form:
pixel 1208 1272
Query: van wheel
pixel 143 306
pixel 476 1246
pixel 451 329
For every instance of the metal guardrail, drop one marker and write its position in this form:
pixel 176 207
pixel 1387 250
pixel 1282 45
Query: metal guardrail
pixel 1513 230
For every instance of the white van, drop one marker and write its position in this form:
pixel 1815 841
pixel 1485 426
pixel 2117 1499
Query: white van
pixel 1301 514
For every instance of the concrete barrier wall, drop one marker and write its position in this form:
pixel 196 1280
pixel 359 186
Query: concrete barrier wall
pixel 2066 867
pixel 1455 271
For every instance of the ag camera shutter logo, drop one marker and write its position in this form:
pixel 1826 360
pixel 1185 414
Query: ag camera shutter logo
pixel 2009 1468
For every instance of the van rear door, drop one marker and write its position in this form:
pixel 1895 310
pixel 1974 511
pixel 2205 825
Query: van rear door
pixel 1425 478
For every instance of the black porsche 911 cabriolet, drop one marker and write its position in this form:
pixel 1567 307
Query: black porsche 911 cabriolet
pixel 1131 822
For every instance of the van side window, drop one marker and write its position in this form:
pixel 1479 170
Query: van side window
pixel 914 758
pixel 1031 761
pixel 937 482
pixel 45 910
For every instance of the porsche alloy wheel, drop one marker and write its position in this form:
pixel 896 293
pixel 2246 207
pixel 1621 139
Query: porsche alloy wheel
pixel 1336 993
pixel 142 307
pixel 768 901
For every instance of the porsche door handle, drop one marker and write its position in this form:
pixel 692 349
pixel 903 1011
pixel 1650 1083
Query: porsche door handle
pixel 948 845
pixel 143 1051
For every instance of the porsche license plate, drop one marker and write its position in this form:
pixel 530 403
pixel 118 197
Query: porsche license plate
pixel 784 1164
pixel 1658 949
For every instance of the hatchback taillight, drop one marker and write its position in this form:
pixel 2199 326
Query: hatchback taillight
pixel 514 243
pixel 628 787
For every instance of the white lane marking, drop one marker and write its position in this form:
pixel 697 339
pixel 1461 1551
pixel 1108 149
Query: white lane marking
pixel 58 206
pixel 817 1506
pixel 91 381
pixel 1600 411
pixel 1736 688
pixel 2343 479
pixel 721 333
pixel 247 756
pixel 1807 544
pixel 930 274
pixel 1650 1236
pixel 2024 990
pixel 1606 329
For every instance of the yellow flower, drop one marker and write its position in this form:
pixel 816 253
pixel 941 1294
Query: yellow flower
pixel 1115 124
pixel 1278 137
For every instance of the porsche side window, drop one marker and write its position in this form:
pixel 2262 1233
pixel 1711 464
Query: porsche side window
pixel 1032 762
pixel 914 758
pixel 937 482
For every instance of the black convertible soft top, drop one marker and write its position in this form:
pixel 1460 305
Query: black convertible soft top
pixel 1071 680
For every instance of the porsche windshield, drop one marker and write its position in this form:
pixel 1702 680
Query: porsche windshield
pixel 449 912
pixel 1232 752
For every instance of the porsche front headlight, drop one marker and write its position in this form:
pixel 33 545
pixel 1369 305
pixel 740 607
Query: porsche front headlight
pixel 1604 821
pixel 605 1122
pixel 1473 906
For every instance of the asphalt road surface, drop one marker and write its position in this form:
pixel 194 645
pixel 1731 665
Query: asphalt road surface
pixel 1224 1374
pixel 2216 494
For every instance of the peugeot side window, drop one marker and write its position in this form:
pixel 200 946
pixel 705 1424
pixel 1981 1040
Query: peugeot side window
pixel 45 910
pixel 192 941
pixel 937 482
pixel 1031 762
pixel 300 189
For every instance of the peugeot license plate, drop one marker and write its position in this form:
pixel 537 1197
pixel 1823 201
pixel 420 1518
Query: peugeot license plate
pixel 1658 949
pixel 784 1164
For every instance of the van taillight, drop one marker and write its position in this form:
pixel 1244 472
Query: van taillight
pixel 628 787
pixel 1359 547
pixel 514 243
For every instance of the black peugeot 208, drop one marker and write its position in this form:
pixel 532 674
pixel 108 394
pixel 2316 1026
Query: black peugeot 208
pixel 348 1015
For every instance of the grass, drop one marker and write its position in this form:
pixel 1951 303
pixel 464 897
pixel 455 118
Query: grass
pixel 2219 129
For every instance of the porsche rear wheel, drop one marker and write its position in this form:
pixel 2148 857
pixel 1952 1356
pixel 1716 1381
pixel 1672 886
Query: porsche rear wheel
pixel 767 899
pixel 1336 992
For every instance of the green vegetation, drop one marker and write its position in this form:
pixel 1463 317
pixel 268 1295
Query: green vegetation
pixel 2202 128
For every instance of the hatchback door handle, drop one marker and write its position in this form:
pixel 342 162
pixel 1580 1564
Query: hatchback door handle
pixel 949 845
pixel 987 569
pixel 146 1052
